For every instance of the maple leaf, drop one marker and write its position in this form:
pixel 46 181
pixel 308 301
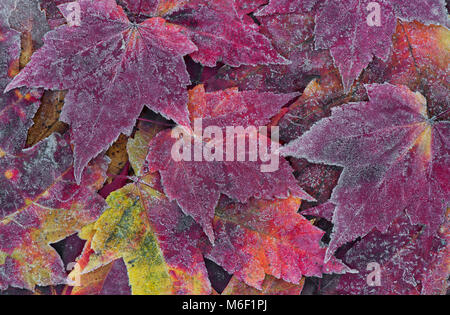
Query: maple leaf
pixel 161 7
pixel 270 286
pixel 316 103
pixel 138 148
pixel 111 67
pixel 436 281
pixel 158 243
pixel 318 180
pixel 248 6
pixel 405 258
pixel 222 33
pixel 111 279
pixel 390 150
pixel 421 65
pixel 220 29
pixel 41 204
pixel 197 185
pixel 292 36
pixel 147 7
pixel 17 107
pixel 268 237
pixel 343 27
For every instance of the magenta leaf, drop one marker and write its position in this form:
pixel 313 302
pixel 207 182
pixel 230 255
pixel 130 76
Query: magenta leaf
pixel 405 259
pixel 390 150
pixel 357 30
pixel 269 237
pixel 223 33
pixel 112 68
pixel 197 185
pixel 291 35
pixel 342 27
pixel 17 107
pixel 42 204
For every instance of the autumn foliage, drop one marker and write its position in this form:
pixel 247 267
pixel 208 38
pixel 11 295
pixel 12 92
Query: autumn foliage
pixel 96 94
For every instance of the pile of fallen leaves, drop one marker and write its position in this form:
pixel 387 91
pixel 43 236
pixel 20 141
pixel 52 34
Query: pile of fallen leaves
pixel 92 201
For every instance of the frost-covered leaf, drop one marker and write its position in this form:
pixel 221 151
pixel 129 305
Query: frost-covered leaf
pixel 287 6
pixel 28 19
pixel 390 150
pixel 437 280
pixel 154 7
pixel 162 7
pixel 318 180
pixel 270 286
pixel 292 36
pixel 41 204
pixel 54 16
pixel 112 68
pixel 268 237
pixel 357 30
pixel 420 59
pixel 138 147
pixel 17 107
pixel 110 279
pixel 223 33
pixel 316 103
pixel 353 41
pixel 248 6
pixel 342 27
pixel 196 184
pixel 157 242
pixel 220 29
pixel 406 258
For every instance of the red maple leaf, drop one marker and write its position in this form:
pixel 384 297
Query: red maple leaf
pixel 197 185
pixel 112 68
pixel 222 33
pixel 353 36
pixel 293 37
pixel 41 204
pixel 220 29
pixel 268 237
pixel 395 160
pixel 407 262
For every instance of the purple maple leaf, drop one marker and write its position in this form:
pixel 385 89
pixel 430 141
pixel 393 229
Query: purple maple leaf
pixel 395 160
pixel 357 30
pixel 112 68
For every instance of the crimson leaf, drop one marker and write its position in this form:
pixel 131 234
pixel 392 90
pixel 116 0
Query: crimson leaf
pixel 390 150
pixel 197 185
pixel 111 67
pixel 348 30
